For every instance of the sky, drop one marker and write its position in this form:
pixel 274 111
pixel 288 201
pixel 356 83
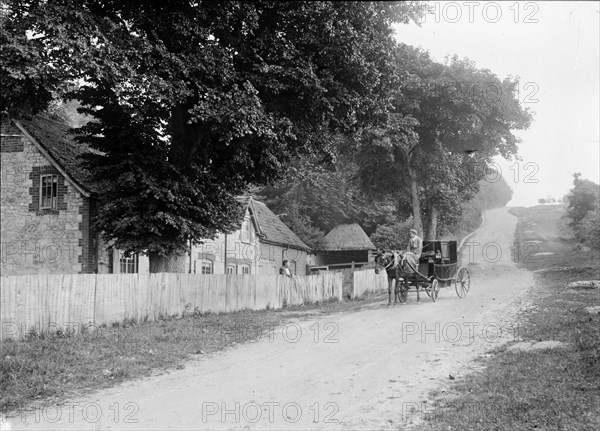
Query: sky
pixel 554 48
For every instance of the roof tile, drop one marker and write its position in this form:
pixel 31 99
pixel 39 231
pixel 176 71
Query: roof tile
pixel 273 229
pixel 53 135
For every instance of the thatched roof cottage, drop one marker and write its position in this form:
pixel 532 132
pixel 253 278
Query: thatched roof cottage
pixel 345 244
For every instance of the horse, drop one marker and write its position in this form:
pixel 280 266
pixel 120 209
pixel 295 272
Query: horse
pixel 390 261
pixel 408 267
pixel 400 267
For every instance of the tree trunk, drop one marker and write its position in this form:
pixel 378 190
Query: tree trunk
pixel 433 223
pixel 174 262
pixel 416 205
pixel 184 139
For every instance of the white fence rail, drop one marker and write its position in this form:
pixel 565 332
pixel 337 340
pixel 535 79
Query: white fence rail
pixel 44 302
pixel 366 281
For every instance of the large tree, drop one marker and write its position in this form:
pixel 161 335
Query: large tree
pixel 449 120
pixel 194 101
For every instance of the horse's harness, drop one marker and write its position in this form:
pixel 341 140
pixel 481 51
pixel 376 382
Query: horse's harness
pixel 395 262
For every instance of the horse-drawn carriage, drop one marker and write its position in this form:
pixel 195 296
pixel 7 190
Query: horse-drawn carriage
pixel 437 267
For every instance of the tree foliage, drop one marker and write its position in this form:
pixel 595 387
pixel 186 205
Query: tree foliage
pixel 303 226
pixel 192 102
pixel 588 229
pixel 491 194
pixel 393 235
pixel 448 121
pixel 584 211
pixel 583 198
pixel 326 194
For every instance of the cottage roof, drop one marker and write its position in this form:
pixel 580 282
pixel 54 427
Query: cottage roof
pixel 53 137
pixel 270 228
pixel 348 237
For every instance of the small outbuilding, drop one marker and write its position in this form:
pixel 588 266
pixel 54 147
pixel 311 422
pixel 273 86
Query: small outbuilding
pixel 345 244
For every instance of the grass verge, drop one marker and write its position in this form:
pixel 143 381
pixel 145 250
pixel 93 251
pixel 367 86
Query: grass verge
pixel 555 389
pixel 48 368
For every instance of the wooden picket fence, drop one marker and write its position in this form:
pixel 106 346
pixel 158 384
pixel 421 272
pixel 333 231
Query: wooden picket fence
pixel 57 301
pixel 366 281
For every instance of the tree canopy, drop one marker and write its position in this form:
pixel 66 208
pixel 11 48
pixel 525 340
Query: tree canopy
pixel 447 122
pixel 193 101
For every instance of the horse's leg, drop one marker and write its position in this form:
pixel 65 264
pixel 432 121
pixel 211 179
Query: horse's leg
pixel 389 291
pixel 396 290
pixel 404 293
pixel 418 284
pixel 399 288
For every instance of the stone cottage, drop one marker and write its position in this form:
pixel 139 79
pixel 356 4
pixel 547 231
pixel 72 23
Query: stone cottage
pixel 48 204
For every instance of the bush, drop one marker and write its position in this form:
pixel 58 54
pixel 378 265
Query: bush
pixel 588 229
pixel 583 198
pixel 393 236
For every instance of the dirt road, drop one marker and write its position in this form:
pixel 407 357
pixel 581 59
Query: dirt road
pixel 370 369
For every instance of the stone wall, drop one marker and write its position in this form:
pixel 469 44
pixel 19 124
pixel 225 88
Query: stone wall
pixel 38 241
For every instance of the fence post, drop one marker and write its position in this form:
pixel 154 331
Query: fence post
pixel 95 291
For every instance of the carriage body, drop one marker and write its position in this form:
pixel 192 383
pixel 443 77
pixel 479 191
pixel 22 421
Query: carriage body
pixel 439 266
pixel 439 260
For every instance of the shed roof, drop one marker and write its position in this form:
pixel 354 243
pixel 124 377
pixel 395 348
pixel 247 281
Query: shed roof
pixel 348 237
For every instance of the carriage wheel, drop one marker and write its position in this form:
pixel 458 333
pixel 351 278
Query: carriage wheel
pixel 435 290
pixel 404 294
pixel 462 282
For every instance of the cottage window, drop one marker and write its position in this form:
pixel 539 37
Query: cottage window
pixel 245 269
pixel 48 192
pixel 206 266
pixel 230 269
pixel 128 264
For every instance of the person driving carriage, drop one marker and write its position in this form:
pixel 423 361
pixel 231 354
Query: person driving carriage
pixel 415 244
